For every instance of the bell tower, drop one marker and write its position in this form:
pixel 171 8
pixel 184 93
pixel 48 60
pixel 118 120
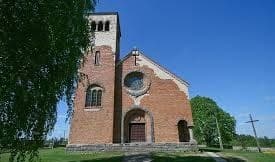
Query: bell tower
pixel 106 30
pixel 93 116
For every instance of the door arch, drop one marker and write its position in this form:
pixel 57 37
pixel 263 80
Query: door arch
pixel 137 126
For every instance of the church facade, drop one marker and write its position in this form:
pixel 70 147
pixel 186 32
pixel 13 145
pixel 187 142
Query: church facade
pixel 126 100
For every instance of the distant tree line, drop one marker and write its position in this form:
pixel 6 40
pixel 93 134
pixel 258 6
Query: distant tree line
pixel 56 142
pixel 249 141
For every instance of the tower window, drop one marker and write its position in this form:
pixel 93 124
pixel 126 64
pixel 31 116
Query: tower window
pixel 93 96
pixel 97 57
pixel 93 26
pixel 100 26
pixel 107 26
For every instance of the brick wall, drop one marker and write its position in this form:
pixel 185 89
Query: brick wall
pixel 164 100
pixel 167 103
pixel 90 125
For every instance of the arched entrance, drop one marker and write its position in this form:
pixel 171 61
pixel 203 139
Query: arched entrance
pixel 183 131
pixel 137 126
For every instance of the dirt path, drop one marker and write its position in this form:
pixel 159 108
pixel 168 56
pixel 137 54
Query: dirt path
pixel 216 157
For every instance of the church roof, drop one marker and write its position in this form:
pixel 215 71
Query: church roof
pixel 157 65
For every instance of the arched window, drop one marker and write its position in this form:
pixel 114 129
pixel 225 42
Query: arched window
pixel 93 26
pixel 107 26
pixel 97 57
pixel 93 96
pixel 100 26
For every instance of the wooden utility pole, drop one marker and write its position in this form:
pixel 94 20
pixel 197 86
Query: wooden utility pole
pixel 254 130
pixel 219 134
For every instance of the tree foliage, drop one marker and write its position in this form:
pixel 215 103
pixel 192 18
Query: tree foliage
pixel 41 46
pixel 205 111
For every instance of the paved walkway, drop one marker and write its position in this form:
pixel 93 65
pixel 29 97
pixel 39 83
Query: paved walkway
pixel 216 157
pixel 137 157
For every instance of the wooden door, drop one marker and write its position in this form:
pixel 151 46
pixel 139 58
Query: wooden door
pixel 137 132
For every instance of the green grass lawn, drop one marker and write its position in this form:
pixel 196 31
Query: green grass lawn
pixel 180 157
pixel 60 155
pixel 242 156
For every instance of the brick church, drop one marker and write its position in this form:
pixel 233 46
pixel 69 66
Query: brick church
pixel 126 100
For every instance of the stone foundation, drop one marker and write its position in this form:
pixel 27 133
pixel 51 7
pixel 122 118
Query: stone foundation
pixel 136 147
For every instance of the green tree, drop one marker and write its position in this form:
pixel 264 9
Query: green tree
pixel 205 111
pixel 41 47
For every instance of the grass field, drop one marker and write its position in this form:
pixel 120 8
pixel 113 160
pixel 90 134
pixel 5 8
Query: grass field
pixel 60 155
pixel 242 156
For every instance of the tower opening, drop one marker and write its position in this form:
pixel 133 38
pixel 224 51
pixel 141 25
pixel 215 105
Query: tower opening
pixel 107 26
pixel 100 26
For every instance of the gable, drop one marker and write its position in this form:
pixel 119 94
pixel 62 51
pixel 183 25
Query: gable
pixel 159 71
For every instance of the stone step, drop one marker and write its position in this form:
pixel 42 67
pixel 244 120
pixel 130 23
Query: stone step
pixel 135 147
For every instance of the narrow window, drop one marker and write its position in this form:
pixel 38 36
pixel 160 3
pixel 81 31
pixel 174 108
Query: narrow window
pixel 107 25
pixel 93 26
pixel 88 98
pixel 100 26
pixel 99 94
pixel 97 57
pixel 94 93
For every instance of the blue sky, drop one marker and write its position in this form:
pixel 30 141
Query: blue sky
pixel 225 49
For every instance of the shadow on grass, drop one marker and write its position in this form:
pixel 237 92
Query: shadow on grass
pixel 111 159
pixel 182 159
pixel 192 158
pixel 234 159
pixel 209 149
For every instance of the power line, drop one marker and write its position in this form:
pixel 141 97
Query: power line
pixel 254 130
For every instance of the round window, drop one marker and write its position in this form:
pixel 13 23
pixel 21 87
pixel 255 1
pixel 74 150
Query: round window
pixel 134 81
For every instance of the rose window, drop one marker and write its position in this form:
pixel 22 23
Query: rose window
pixel 134 81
